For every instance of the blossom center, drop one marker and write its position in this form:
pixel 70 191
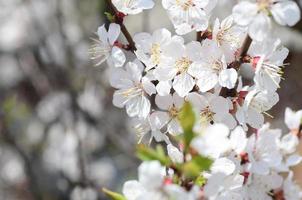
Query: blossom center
pixel 206 115
pixel 217 66
pixel 185 5
pixel 263 5
pixel 183 64
pixel 132 92
pixel 173 112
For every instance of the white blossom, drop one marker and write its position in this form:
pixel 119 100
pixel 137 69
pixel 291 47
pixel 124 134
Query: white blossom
pixel 178 64
pixel 132 7
pixel 133 89
pixel 212 68
pixel 150 47
pixel 105 48
pixel 189 15
pixel 255 14
pixel 212 109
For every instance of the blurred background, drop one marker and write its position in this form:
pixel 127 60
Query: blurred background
pixel 60 136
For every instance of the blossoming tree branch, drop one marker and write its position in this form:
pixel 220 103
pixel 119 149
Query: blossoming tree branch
pixel 189 98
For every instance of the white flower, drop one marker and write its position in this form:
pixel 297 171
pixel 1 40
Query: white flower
pixel 213 142
pixel 229 37
pixel 133 89
pixel 212 69
pixel 261 187
pixel 146 133
pixel 171 106
pixel 176 192
pixel 188 15
pixel 132 7
pixel 177 65
pixel 263 151
pixel 105 48
pixel 220 186
pixel 255 15
pixel 256 102
pixel 150 47
pixel 212 109
pixel 150 179
pixel 267 59
pixel 293 119
pixel 288 146
pixel 290 189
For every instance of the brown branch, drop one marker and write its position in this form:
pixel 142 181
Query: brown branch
pixel 119 20
pixel 225 92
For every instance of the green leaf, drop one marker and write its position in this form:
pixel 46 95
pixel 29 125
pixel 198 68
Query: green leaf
pixel 204 163
pixel 114 195
pixel 187 117
pixel 147 154
pixel 110 17
pixel 187 121
pixel 200 181
pixel 196 166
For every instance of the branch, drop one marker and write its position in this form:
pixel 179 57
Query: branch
pixel 225 92
pixel 119 20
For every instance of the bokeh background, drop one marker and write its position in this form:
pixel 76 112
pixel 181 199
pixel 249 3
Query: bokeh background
pixel 60 136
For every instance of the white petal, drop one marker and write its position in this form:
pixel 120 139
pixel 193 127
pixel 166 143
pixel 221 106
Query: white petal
pixel 207 80
pixel 226 119
pixel 119 78
pixel 119 100
pixel 183 84
pixel 289 143
pixel 118 57
pixel 143 41
pixel 260 27
pixel 255 119
pixel 238 139
pixel 102 33
pixel 174 127
pixel 260 168
pixel 177 100
pixel 134 71
pixel 286 12
pixel 163 88
pixel 293 160
pixel 151 174
pixel 292 119
pixel 228 78
pixel 199 102
pixel 165 73
pixel 158 120
pixel 244 12
pixel 159 136
pixel 139 106
pixel 193 50
pixel 113 32
pixel 223 165
pixel 175 155
pixel 132 190
pixel 219 105
pixel 148 86
pixel 164 102
pixel 161 36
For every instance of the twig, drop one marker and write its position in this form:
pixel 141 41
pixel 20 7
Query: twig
pixel 225 92
pixel 119 20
